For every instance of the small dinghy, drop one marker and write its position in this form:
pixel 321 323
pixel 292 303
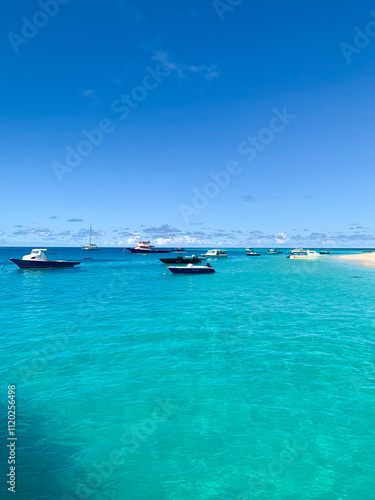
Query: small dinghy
pixel 38 259
pixel 191 269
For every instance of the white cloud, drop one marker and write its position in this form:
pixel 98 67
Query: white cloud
pixel 209 72
pixel 87 93
pixel 281 238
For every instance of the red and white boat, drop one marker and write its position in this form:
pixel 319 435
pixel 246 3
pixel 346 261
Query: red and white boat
pixel 146 247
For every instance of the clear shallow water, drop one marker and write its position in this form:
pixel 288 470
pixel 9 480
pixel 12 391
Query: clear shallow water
pixel 255 382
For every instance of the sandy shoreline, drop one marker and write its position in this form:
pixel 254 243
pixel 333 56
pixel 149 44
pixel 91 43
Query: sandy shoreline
pixel 361 259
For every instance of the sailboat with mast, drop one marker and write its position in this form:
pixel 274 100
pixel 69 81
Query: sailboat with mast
pixel 90 246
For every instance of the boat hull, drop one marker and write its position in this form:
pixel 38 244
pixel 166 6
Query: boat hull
pixel 253 254
pixel 30 264
pixel 191 270
pixel 206 256
pixel 296 257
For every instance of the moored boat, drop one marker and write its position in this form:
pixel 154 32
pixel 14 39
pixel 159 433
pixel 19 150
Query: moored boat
pixel 250 252
pixel 193 259
pixel 179 250
pixel 90 246
pixel 274 251
pixel 300 253
pixel 145 247
pixel 324 252
pixel 38 259
pixel 216 253
pixel 191 269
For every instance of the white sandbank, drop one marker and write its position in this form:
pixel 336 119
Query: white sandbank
pixel 361 259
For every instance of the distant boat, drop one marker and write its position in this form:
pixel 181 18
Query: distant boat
pixel 250 252
pixel 181 260
pixel 300 253
pixel 274 251
pixel 145 247
pixel 38 259
pixel 191 269
pixel 216 253
pixel 324 252
pixel 178 250
pixel 90 246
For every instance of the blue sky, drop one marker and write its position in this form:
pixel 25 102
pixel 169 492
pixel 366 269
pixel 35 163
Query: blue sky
pixel 188 122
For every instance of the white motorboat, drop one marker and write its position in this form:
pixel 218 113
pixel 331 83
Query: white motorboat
pixel 38 259
pixel 216 253
pixel 300 253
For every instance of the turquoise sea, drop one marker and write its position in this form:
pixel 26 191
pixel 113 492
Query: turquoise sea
pixel 256 382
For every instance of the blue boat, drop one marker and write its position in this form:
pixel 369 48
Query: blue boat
pixel 38 260
pixel 190 269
